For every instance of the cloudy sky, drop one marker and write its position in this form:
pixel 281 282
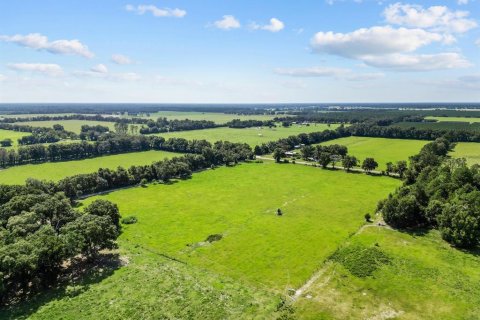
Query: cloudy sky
pixel 239 51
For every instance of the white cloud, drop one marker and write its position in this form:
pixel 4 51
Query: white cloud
pixel 460 2
pixel 437 18
pixel 121 59
pixel 373 41
pixel 338 73
pixel 49 69
pixel 99 68
pixel 388 47
pixel 477 42
pixel 227 22
pixel 38 41
pixel 418 62
pixel 2 77
pixel 156 12
pixel 275 25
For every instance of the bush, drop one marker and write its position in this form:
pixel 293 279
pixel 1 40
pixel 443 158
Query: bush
pixel 361 261
pixel 129 220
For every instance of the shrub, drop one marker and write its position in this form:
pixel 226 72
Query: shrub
pixel 129 220
pixel 361 261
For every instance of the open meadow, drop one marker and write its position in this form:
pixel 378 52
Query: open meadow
pixel 468 150
pixel 69 125
pixel 454 119
pixel 383 150
pixel 54 171
pixel 253 136
pixel 216 117
pixel 387 274
pixel 13 135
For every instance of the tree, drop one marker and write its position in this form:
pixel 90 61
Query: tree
pixel 324 159
pixel 368 217
pixel 104 208
pixel 390 168
pixel 121 127
pixel 349 162
pixel 369 164
pixel 278 154
pixel 6 143
pixel 58 127
pixel 401 167
pixel 307 152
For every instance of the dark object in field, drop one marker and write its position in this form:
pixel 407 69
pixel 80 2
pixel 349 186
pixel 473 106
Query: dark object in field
pixel 368 217
pixel 129 220
pixel 279 212
pixel 214 237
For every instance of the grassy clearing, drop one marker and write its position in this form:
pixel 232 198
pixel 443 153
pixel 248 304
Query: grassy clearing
pixel 443 125
pixel 69 125
pixel 57 170
pixel 252 136
pixel 149 287
pixel 467 150
pixel 424 278
pixel 381 149
pixel 454 119
pixel 14 135
pixel 321 209
pixel 212 116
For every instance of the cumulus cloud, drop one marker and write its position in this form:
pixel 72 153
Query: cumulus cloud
pixel 155 11
pixel 227 22
pixel 338 73
pixel 275 25
pixel 460 2
pixel 121 59
pixel 38 41
pixel 99 68
pixel 388 47
pixel 437 18
pixel 50 69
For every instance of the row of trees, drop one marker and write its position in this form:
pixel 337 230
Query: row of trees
pixel 40 231
pixel 237 123
pixel 164 125
pixel 39 134
pixel 106 145
pixel 438 193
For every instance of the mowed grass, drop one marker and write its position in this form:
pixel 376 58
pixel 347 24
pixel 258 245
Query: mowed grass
pixel 454 119
pixel 216 117
pixel 321 209
pixel 54 171
pixel 14 135
pixel 425 279
pixel 381 149
pixel 69 125
pixel 252 136
pixel 468 150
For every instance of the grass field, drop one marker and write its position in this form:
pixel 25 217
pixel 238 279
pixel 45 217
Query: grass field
pixel 381 149
pixel 443 125
pixel 252 136
pixel 212 116
pixel 14 135
pixel 467 150
pixel 57 170
pixel 424 279
pixel 69 125
pixel 321 208
pixel 454 119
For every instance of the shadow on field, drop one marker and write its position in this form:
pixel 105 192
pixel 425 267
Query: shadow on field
pixel 76 278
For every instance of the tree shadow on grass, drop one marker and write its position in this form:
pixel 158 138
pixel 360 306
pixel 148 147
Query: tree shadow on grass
pixel 76 278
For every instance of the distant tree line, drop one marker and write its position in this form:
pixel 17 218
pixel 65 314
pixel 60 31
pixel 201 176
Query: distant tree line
pixel 164 125
pixel 39 134
pixel 40 231
pixel 438 193
pixel 237 123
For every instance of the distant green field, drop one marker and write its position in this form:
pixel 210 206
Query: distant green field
pixel 443 125
pixel 211 116
pixel 467 150
pixel 425 279
pixel 14 135
pixel 58 170
pixel 69 125
pixel 31 115
pixel 383 150
pixel 321 209
pixel 252 136
pixel 454 119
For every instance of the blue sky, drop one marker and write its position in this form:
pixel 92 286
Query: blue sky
pixel 239 51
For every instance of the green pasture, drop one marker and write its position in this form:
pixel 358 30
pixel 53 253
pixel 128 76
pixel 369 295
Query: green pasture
pixel 211 116
pixel 454 119
pixel 424 278
pixel 468 150
pixel 383 150
pixel 14 135
pixel 55 171
pixel 321 208
pixel 442 125
pixel 252 136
